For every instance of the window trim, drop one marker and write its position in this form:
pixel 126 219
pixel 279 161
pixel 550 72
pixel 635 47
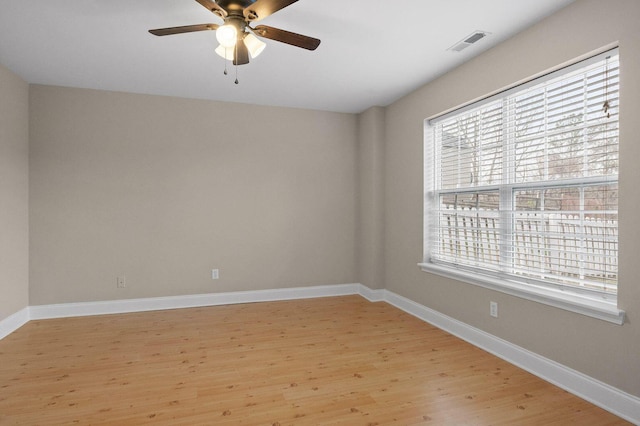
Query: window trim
pixel 592 305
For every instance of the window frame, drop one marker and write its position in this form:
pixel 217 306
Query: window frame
pixel 591 303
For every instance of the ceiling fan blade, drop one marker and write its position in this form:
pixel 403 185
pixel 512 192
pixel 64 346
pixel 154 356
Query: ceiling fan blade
pixel 184 29
pixel 263 8
pixel 213 7
pixel 241 54
pixel 283 36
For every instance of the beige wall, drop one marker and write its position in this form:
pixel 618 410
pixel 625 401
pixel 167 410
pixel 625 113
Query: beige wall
pixel 370 223
pixel 604 351
pixel 14 178
pixel 162 190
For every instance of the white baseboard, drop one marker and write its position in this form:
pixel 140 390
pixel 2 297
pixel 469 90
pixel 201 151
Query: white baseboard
pixel 14 322
pixel 188 301
pixel 370 294
pixel 607 397
pixel 598 393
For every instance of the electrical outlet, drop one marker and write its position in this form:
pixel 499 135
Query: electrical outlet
pixel 215 274
pixel 121 282
pixel 493 309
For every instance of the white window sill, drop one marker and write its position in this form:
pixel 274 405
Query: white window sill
pixel 601 309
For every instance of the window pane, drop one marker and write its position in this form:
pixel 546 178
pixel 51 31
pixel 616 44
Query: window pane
pixel 471 149
pixel 567 235
pixel 469 224
pixel 562 130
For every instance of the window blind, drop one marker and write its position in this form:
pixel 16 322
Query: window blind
pixel 524 185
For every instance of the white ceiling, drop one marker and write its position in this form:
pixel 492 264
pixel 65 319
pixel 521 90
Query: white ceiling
pixel 372 52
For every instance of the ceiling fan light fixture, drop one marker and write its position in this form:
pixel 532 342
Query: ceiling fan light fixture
pixel 254 45
pixel 238 40
pixel 227 35
pixel 225 52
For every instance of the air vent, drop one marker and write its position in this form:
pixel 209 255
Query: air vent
pixel 468 41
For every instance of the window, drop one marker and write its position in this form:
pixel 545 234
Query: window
pixel 522 189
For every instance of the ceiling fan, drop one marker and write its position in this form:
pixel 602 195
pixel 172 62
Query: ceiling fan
pixel 237 38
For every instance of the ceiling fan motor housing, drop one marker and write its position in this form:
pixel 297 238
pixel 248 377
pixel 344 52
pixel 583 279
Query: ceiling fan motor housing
pixel 238 7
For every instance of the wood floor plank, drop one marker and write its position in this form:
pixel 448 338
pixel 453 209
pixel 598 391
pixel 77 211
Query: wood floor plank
pixel 329 361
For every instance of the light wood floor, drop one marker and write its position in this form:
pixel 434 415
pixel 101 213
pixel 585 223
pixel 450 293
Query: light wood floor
pixel 330 361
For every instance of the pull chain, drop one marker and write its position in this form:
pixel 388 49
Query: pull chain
pixel 236 56
pixel 606 106
pixel 225 61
